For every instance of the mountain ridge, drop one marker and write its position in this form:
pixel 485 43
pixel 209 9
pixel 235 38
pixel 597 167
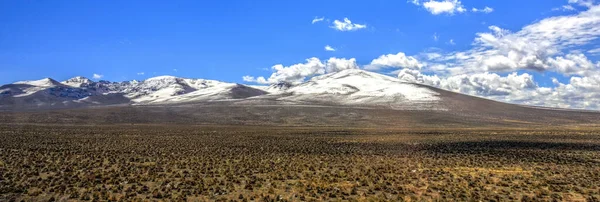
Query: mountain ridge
pixel 351 87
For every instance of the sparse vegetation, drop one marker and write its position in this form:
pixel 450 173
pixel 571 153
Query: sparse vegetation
pixel 114 163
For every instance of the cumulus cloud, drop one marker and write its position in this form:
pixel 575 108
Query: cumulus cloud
pixel 450 7
pixel 515 88
pixel 97 76
pixel 442 6
pixel 481 84
pixel 259 80
pixel 347 25
pixel 317 19
pixel 399 60
pixel 299 72
pixel 447 6
pixel 329 48
pixel 339 64
pixel 573 64
pixel 580 92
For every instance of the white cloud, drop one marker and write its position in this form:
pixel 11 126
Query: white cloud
pixel 531 48
pixel 580 92
pixel 564 8
pixel 594 51
pixel 513 88
pixel 141 73
pixel 249 78
pixel 399 60
pixel 339 64
pixel 585 3
pixel 299 72
pixel 317 19
pixel 481 84
pixel 450 7
pixel 175 70
pixel 97 76
pixel 260 80
pixel 483 10
pixel 451 42
pixel 415 2
pixel 572 64
pixel 569 7
pixel 442 6
pixel 347 25
pixel 329 48
pixel 436 37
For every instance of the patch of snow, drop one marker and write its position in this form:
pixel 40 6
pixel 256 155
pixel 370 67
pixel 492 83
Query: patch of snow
pixel 29 91
pixel 77 81
pixel 47 82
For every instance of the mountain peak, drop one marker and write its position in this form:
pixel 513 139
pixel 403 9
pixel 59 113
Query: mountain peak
pixel 77 81
pixel 162 78
pixel 45 82
pixel 354 74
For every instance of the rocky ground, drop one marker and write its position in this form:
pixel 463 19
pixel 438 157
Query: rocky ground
pixel 244 163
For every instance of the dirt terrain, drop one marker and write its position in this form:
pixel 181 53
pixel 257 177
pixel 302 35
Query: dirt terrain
pixel 245 163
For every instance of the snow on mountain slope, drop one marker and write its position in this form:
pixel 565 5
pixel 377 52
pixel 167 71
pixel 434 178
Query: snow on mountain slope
pixel 359 87
pixel 26 88
pixel 362 83
pixel 77 81
pixel 46 82
pixel 221 91
pixel 156 88
pixel 347 87
pixel 80 91
pixel 273 88
pixel 169 89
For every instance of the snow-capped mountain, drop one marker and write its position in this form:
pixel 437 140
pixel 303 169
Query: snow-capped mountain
pixel 347 87
pixel 77 81
pixel 169 89
pixel 359 87
pixel 46 82
pixel 80 91
pixel 25 88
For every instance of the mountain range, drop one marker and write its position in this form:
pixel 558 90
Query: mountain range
pixel 348 97
pixel 348 87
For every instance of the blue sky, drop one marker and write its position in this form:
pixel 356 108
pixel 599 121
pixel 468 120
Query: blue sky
pixel 226 40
